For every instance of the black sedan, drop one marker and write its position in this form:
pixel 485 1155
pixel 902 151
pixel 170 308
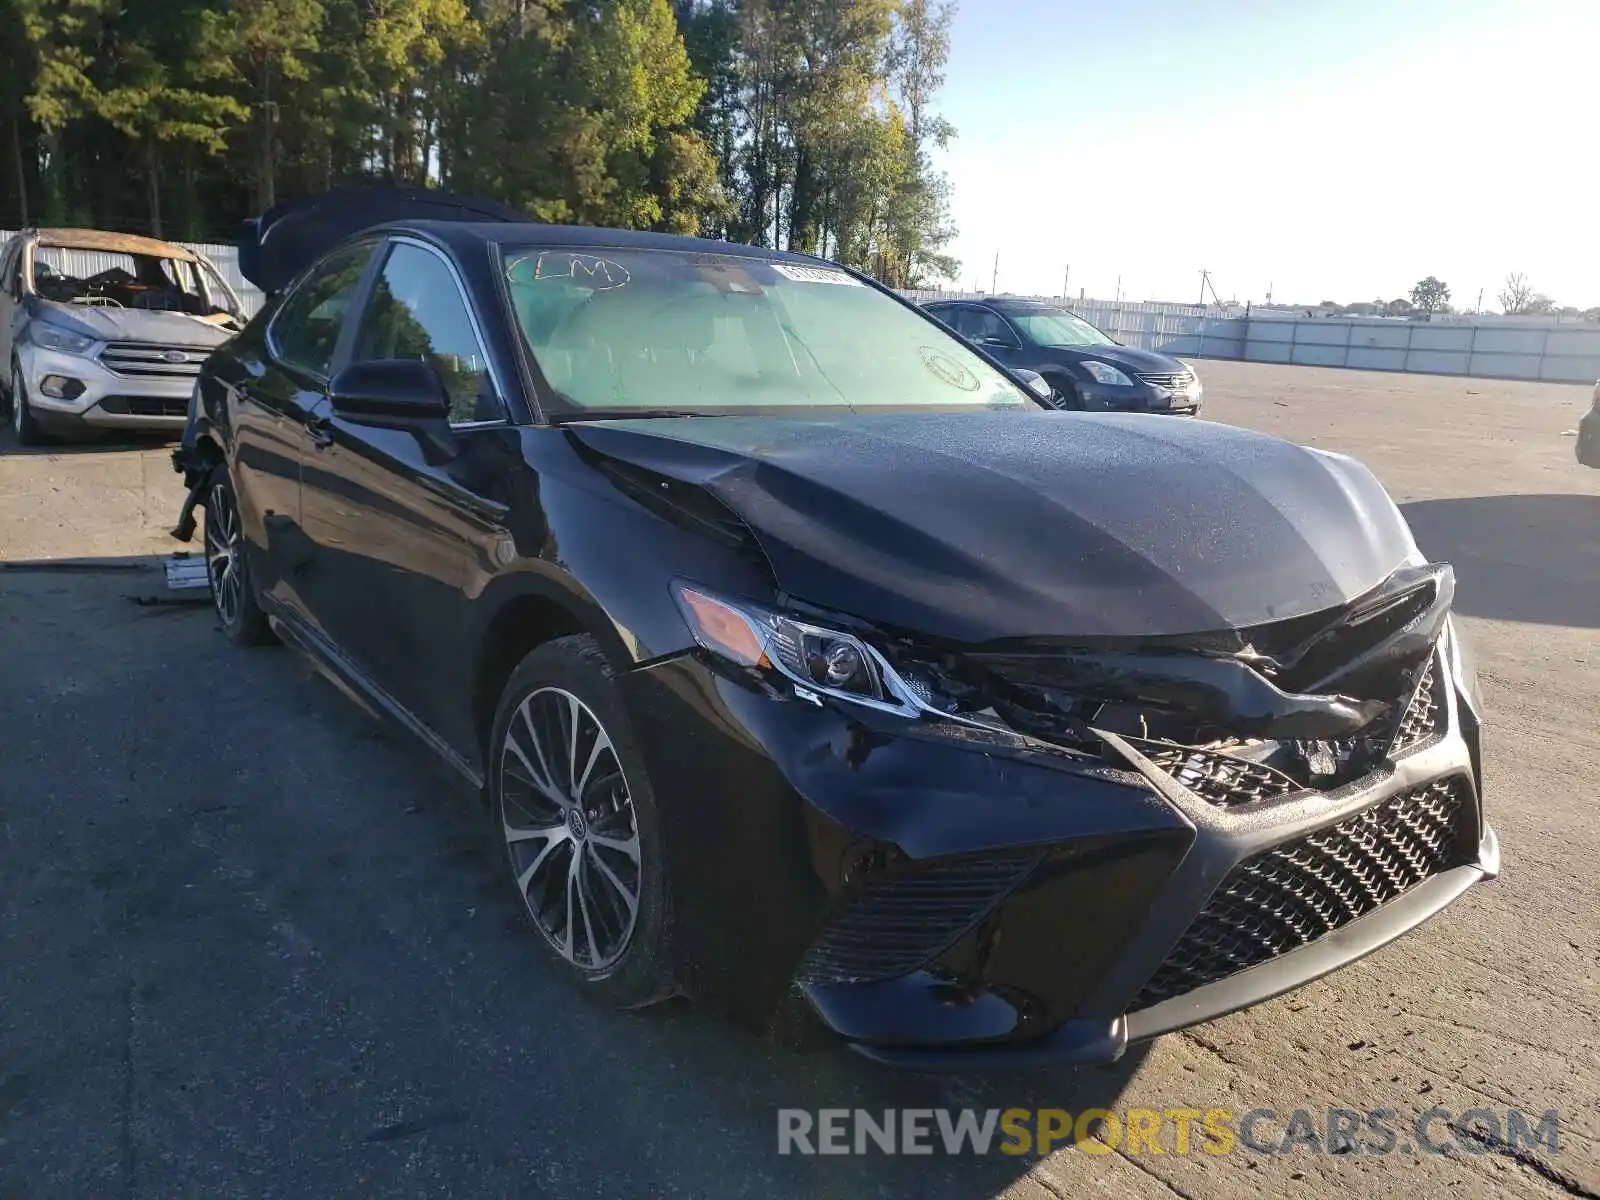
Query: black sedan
pixel 808 667
pixel 1085 367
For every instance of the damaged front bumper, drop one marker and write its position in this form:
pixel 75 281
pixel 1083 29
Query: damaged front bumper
pixel 191 461
pixel 942 899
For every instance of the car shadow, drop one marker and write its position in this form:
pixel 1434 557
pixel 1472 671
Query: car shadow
pixel 10 449
pixel 699 1078
pixel 1519 557
pixel 305 921
pixel 84 443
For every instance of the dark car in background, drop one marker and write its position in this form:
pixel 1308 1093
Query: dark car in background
pixel 1085 367
pixel 1588 448
pixel 809 667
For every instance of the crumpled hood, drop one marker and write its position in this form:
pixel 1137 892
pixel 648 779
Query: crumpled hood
pixel 134 324
pixel 988 525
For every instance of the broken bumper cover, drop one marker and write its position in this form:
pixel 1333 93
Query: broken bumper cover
pixel 194 465
pixel 944 905
pixel 1089 1040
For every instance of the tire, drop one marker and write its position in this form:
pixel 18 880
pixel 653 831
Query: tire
pixel 575 876
pixel 24 427
pixel 233 596
pixel 1066 393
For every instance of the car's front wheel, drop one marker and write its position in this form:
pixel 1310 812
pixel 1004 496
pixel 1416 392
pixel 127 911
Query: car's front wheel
pixel 227 569
pixel 573 808
pixel 1065 392
pixel 23 425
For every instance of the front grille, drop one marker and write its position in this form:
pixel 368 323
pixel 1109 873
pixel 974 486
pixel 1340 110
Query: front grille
pixel 896 922
pixel 1293 894
pixel 140 360
pixel 1219 779
pixel 145 406
pixel 1424 717
pixel 1176 382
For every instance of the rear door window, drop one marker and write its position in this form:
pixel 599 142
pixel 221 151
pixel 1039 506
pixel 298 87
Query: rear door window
pixel 981 323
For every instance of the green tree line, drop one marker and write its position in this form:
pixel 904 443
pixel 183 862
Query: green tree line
pixel 802 124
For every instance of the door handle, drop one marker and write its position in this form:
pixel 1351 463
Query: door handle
pixel 321 432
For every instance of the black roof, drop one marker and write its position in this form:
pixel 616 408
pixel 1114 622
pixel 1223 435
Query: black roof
pixel 460 234
pixel 1004 303
pixel 1020 304
pixel 276 246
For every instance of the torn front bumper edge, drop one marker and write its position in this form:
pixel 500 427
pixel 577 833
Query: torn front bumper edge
pixel 1084 1042
pixel 196 472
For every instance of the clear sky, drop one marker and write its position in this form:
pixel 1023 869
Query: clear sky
pixel 1327 149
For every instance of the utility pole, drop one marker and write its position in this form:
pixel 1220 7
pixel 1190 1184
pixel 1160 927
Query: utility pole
pixel 1066 275
pixel 994 280
pixel 1205 277
pixel 1269 295
pixel 1479 310
pixel 1119 288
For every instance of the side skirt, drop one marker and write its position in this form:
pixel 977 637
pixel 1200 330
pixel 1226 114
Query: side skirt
pixel 355 684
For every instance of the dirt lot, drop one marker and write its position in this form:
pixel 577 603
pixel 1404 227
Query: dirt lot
pixel 251 945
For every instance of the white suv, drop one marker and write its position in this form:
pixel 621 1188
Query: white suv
pixel 105 330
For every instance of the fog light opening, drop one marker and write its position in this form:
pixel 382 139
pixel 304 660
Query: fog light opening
pixel 61 387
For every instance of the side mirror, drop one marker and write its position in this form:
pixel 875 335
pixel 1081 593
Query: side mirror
pixel 405 389
pixel 997 343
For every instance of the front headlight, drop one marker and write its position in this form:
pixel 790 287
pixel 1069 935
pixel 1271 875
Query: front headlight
pixel 53 337
pixel 818 660
pixel 1105 373
pixel 1037 383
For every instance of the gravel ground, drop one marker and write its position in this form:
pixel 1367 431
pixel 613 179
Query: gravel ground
pixel 253 945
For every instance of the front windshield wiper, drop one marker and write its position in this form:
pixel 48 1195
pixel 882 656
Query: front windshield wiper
pixel 618 414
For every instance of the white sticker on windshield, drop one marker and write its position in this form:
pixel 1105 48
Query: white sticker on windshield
pixel 814 274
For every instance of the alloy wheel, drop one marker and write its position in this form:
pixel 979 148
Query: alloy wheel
pixel 570 828
pixel 19 412
pixel 223 552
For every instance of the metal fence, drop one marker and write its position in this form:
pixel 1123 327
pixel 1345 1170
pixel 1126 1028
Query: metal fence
pixel 1487 347
pixel 1491 347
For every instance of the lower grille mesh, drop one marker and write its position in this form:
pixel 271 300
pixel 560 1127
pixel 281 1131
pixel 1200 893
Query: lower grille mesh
pixel 146 406
pixel 1421 722
pixel 1300 891
pixel 1219 779
pixel 897 922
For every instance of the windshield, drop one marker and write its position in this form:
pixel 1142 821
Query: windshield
pixel 650 330
pixel 1058 327
pixel 113 279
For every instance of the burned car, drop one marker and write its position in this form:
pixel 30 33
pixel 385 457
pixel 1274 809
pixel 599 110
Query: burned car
pixel 105 330
pixel 808 666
